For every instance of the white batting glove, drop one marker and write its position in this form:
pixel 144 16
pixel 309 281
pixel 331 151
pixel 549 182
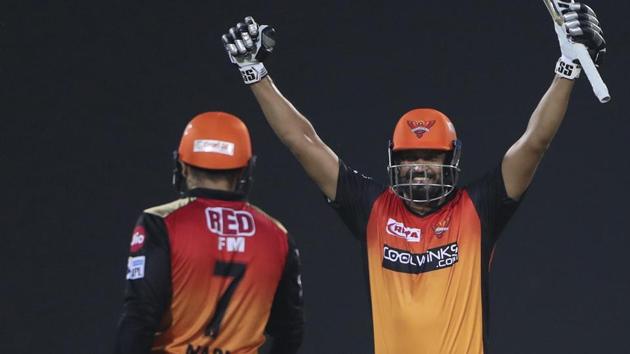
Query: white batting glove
pixel 580 26
pixel 247 45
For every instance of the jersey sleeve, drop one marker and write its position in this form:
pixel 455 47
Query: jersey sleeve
pixel 354 198
pixel 493 205
pixel 148 288
pixel 286 321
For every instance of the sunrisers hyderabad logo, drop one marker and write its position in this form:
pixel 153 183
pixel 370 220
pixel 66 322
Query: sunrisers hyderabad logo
pixel 138 238
pixel 419 127
pixel 441 227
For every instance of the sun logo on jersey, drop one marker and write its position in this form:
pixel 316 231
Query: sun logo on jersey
pixel 441 227
pixel 419 127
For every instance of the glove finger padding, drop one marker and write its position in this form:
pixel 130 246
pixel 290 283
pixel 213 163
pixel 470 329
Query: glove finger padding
pixel 582 26
pixel 243 32
pixel 590 37
pixel 236 40
pixel 594 42
pixel 252 26
pixel 582 17
pixel 576 7
pixel 576 28
pixel 229 46
pixel 247 45
pixel 233 33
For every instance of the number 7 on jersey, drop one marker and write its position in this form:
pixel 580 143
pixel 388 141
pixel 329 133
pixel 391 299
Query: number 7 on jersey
pixel 231 270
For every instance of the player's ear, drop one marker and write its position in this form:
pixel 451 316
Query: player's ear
pixel 185 169
pixel 396 157
pixel 442 158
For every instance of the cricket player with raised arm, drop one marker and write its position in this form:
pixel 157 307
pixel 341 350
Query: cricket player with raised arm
pixel 428 240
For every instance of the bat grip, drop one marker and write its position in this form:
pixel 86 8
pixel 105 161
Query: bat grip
pixel 599 87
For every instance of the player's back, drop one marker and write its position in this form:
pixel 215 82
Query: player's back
pixel 226 260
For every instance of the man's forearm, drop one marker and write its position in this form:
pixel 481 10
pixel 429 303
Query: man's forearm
pixel 548 115
pixel 285 120
pixel 521 160
pixel 297 133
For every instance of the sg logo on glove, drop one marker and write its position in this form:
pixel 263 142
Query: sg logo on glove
pixel 565 69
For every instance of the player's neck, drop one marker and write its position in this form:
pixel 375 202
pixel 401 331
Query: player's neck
pixel 425 208
pixel 421 209
pixel 219 184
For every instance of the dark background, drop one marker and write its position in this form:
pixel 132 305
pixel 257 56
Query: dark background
pixel 95 96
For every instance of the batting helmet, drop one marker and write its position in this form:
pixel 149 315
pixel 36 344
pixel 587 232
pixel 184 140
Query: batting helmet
pixel 424 129
pixel 216 141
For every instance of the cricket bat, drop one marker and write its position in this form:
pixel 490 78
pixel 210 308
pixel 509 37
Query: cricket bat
pixel 599 87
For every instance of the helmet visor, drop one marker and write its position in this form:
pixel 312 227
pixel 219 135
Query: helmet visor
pixel 422 183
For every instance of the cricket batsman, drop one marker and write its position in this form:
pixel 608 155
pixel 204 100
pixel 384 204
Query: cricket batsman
pixel 428 239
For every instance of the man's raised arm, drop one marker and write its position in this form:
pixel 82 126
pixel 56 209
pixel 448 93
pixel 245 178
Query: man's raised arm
pixel 520 161
pixel 247 45
pixel 298 134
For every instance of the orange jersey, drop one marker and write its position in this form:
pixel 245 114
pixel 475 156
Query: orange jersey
pixel 209 274
pixel 427 274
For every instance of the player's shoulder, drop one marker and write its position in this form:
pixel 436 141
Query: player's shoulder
pixel 167 209
pixel 486 182
pixel 273 221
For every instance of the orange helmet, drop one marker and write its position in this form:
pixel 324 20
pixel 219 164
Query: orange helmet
pixel 424 129
pixel 215 141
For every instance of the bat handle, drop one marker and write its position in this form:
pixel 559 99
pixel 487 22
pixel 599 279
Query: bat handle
pixel 599 87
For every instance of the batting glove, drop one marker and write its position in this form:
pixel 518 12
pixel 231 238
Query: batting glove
pixel 580 26
pixel 247 45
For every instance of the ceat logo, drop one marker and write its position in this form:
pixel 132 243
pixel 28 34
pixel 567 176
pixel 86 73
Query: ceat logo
pixel 138 238
pixel 230 222
pixel 441 227
pixel 420 127
pixel 398 229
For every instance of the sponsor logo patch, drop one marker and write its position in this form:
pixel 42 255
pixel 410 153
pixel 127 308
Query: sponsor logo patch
pixel 230 222
pixel 416 263
pixel 231 244
pixel 135 267
pixel 420 127
pixel 441 227
pixel 217 146
pixel 137 239
pixel 231 226
pixel 398 229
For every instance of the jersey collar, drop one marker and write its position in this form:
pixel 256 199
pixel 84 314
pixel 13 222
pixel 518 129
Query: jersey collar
pixel 437 207
pixel 215 194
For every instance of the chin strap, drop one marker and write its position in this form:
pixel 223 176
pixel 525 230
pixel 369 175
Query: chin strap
pixel 178 179
pixel 243 184
pixel 246 180
pixel 433 205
